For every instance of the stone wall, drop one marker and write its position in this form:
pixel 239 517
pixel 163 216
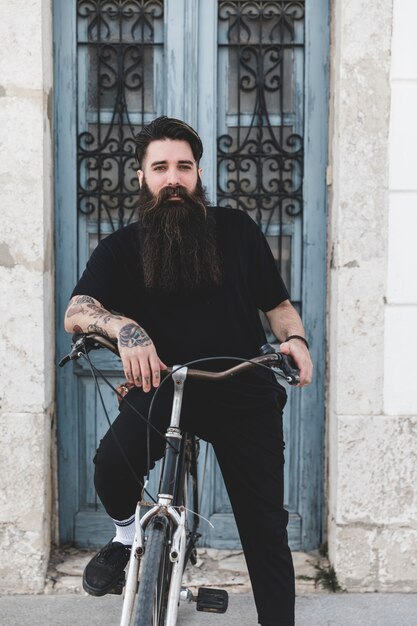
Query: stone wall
pixel 372 405
pixel 26 306
pixel 371 412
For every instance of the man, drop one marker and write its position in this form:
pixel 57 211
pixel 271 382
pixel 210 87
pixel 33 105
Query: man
pixel 185 282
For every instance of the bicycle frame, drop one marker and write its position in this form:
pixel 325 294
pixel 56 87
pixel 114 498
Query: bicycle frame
pixel 164 506
pixel 172 539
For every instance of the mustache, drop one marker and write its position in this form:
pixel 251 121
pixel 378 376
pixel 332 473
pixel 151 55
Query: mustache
pixel 155 204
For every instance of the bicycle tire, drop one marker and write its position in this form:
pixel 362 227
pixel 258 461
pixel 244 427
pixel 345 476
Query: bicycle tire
pixel 155 576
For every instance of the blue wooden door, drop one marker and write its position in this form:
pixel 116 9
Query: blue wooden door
pixel 251 77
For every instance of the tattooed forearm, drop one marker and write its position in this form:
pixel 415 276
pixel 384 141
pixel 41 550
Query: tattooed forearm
pixel 133 335
pixel 84 305
pixel 87 315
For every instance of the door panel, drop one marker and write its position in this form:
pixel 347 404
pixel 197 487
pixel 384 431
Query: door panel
pixel 262 125
pixel 249 76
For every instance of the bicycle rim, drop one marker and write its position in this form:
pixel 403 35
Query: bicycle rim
pixel 155 576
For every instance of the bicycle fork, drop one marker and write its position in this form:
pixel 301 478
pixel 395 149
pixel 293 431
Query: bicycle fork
pixel 164 507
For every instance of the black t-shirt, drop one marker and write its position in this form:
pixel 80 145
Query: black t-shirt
pixel 221 321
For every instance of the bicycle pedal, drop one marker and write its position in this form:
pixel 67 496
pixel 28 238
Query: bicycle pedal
pixel 212 600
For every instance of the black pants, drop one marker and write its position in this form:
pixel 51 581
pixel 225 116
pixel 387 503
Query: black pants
pixel 250 452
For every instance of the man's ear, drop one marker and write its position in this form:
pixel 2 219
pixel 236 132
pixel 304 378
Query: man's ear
pixel 200 171
pixel 140 177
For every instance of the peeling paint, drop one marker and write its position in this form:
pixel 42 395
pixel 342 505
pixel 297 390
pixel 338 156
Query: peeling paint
pixel 2 91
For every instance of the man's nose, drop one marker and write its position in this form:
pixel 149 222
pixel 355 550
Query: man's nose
pixel 172 177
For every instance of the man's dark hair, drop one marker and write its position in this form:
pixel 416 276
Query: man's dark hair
pixel 167 128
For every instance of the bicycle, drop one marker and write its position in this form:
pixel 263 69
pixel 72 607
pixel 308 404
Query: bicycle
pixel 167 532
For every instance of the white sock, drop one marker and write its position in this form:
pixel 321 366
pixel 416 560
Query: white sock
pixel 125 530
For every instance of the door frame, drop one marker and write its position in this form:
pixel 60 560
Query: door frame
pixel 203 116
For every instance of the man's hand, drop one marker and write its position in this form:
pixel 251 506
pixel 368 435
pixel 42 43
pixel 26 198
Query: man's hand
pixel 141 364
pixel 285 321
pixel 297 349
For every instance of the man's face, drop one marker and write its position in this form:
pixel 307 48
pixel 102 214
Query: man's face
pixel 169 163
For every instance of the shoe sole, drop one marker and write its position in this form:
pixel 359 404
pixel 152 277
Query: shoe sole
pixel 112 588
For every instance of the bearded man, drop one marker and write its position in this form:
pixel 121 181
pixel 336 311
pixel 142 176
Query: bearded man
pixel 184 282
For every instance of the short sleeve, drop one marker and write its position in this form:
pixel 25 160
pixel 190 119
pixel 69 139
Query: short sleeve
pixel 102 277
pixel 268 287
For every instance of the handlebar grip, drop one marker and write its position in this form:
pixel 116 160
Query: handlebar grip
pixel 285 363
pixel 290 369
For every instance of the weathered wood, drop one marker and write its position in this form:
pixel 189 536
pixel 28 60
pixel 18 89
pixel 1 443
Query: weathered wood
pixel 191 91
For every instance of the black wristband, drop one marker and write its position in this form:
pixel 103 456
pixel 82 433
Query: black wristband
pixel 303 339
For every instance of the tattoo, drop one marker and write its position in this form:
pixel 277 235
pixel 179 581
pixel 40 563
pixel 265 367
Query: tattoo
pixel 91 309
pixel 95 328
pixel 97 313
pixel 133 335
pixel 76 305
pixel 77 329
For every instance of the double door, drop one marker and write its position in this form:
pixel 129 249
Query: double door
pixel 250 76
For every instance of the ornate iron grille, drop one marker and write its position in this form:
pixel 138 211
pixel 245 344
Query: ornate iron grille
pixel 120 45
pixel 260 144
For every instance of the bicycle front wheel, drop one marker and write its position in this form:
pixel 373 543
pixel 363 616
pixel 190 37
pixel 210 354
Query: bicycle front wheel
pixel 155 576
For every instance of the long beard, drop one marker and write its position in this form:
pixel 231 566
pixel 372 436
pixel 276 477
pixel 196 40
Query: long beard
pixel 178 241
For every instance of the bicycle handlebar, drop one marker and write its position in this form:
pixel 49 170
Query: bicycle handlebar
pixel 92 341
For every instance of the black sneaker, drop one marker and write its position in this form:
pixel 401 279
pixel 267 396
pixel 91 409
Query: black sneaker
pixel 105 572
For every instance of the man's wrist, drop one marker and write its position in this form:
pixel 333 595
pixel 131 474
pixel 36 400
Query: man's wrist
pixel 300 337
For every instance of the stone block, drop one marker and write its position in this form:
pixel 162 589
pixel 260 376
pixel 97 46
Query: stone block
pixel 376 470
pixel 355 559
pixel 402 249
pixel 26 365
pixel 24 469
pixel 356 340
pixel 400 396
pixel 24 502
pixel 376 559
pixel 397 559
pixel 25 207
pixel 23 560
pixel 24 37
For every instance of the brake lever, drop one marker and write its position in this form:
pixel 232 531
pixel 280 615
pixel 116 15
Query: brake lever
pixel 290 369
pixel 285 363
pixel 79 342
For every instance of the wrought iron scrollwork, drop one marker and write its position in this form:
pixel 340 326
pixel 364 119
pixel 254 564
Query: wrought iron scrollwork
pixel 116 45
pixel 260 156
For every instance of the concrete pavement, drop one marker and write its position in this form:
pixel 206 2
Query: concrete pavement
pixel 65 604
pixel 341 609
